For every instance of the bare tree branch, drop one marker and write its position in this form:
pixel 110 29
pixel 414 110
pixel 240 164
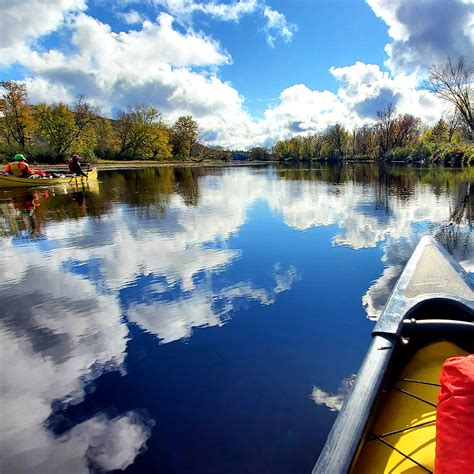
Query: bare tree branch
pixel 454 82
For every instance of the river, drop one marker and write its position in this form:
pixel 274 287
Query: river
pixel 179 320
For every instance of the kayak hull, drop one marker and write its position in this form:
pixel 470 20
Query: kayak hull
pixel 432 302
pixel 16 182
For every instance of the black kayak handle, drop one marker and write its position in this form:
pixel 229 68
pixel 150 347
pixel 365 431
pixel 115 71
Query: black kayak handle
pixel 438 325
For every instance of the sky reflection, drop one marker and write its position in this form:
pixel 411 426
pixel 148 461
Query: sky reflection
pixel 287 256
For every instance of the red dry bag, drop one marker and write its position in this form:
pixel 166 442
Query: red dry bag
pixel 455 417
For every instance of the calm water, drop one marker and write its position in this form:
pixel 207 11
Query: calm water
pixel 207 321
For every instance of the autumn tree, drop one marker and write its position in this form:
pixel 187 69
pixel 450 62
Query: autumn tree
pixel 454 83
pixel 385 128
pixel 456 126
pixel 106 138
pixel 282 150
pixel 56 127
pixel 259 154
pixel 67 129
pixel 16 118
pixel 406 130
pixel 86 118
pixel 142 133
pixel 364 141
pixel 310 147
pixel 185 135
pixel 336 140
pixel 211 152
pixel 161 148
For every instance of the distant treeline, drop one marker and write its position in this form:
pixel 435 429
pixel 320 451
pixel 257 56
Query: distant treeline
pixel 393 138
pixel 50 132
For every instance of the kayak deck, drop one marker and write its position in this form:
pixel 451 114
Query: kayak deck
pixel 402 437
pixel 7 181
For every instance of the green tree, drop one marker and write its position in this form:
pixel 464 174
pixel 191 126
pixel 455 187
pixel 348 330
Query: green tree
pixel 311 147
pixel 106 139
pixel 440 131
pixel 56 127
pixel 283 150
pixel 16 118
pixel 65 129
pixel 185 135
pixel 336 140
pixel 142 134
pixel 259 154
pixel 299 148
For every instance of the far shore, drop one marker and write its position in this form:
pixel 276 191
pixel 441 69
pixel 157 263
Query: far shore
pixel 139 164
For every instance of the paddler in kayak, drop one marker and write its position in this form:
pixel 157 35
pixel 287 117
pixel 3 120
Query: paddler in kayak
pixel 20 168
pixel 74 165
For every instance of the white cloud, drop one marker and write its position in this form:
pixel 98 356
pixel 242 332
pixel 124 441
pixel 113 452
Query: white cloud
pixel 425 32
pixel 232 11
pixel 131 17
pixel 367 89
pixel 23 21
pixel 154 65
pixel 277 25
pixel 301 111
pixel 388 13
pixel 155 44
pixel 377 295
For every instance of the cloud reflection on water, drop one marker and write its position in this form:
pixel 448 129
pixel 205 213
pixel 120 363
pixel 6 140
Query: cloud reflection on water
pixel 63 325
pixel 171 321
pixel 57 333
pixel 335 401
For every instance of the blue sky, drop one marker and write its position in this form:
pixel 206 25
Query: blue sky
pixel 250 71
pixel 260 73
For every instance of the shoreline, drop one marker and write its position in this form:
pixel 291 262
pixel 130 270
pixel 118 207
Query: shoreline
pixel 139 164
pixel 117 165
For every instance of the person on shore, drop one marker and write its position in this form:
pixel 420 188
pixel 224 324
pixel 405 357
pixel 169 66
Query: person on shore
pixel 75 166
pixel 20 168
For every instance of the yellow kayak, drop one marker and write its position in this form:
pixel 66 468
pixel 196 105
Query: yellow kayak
pixel 7 181
pixel 404 438
pixel 388 423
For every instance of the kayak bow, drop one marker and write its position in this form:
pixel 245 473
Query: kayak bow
pixel 388 422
